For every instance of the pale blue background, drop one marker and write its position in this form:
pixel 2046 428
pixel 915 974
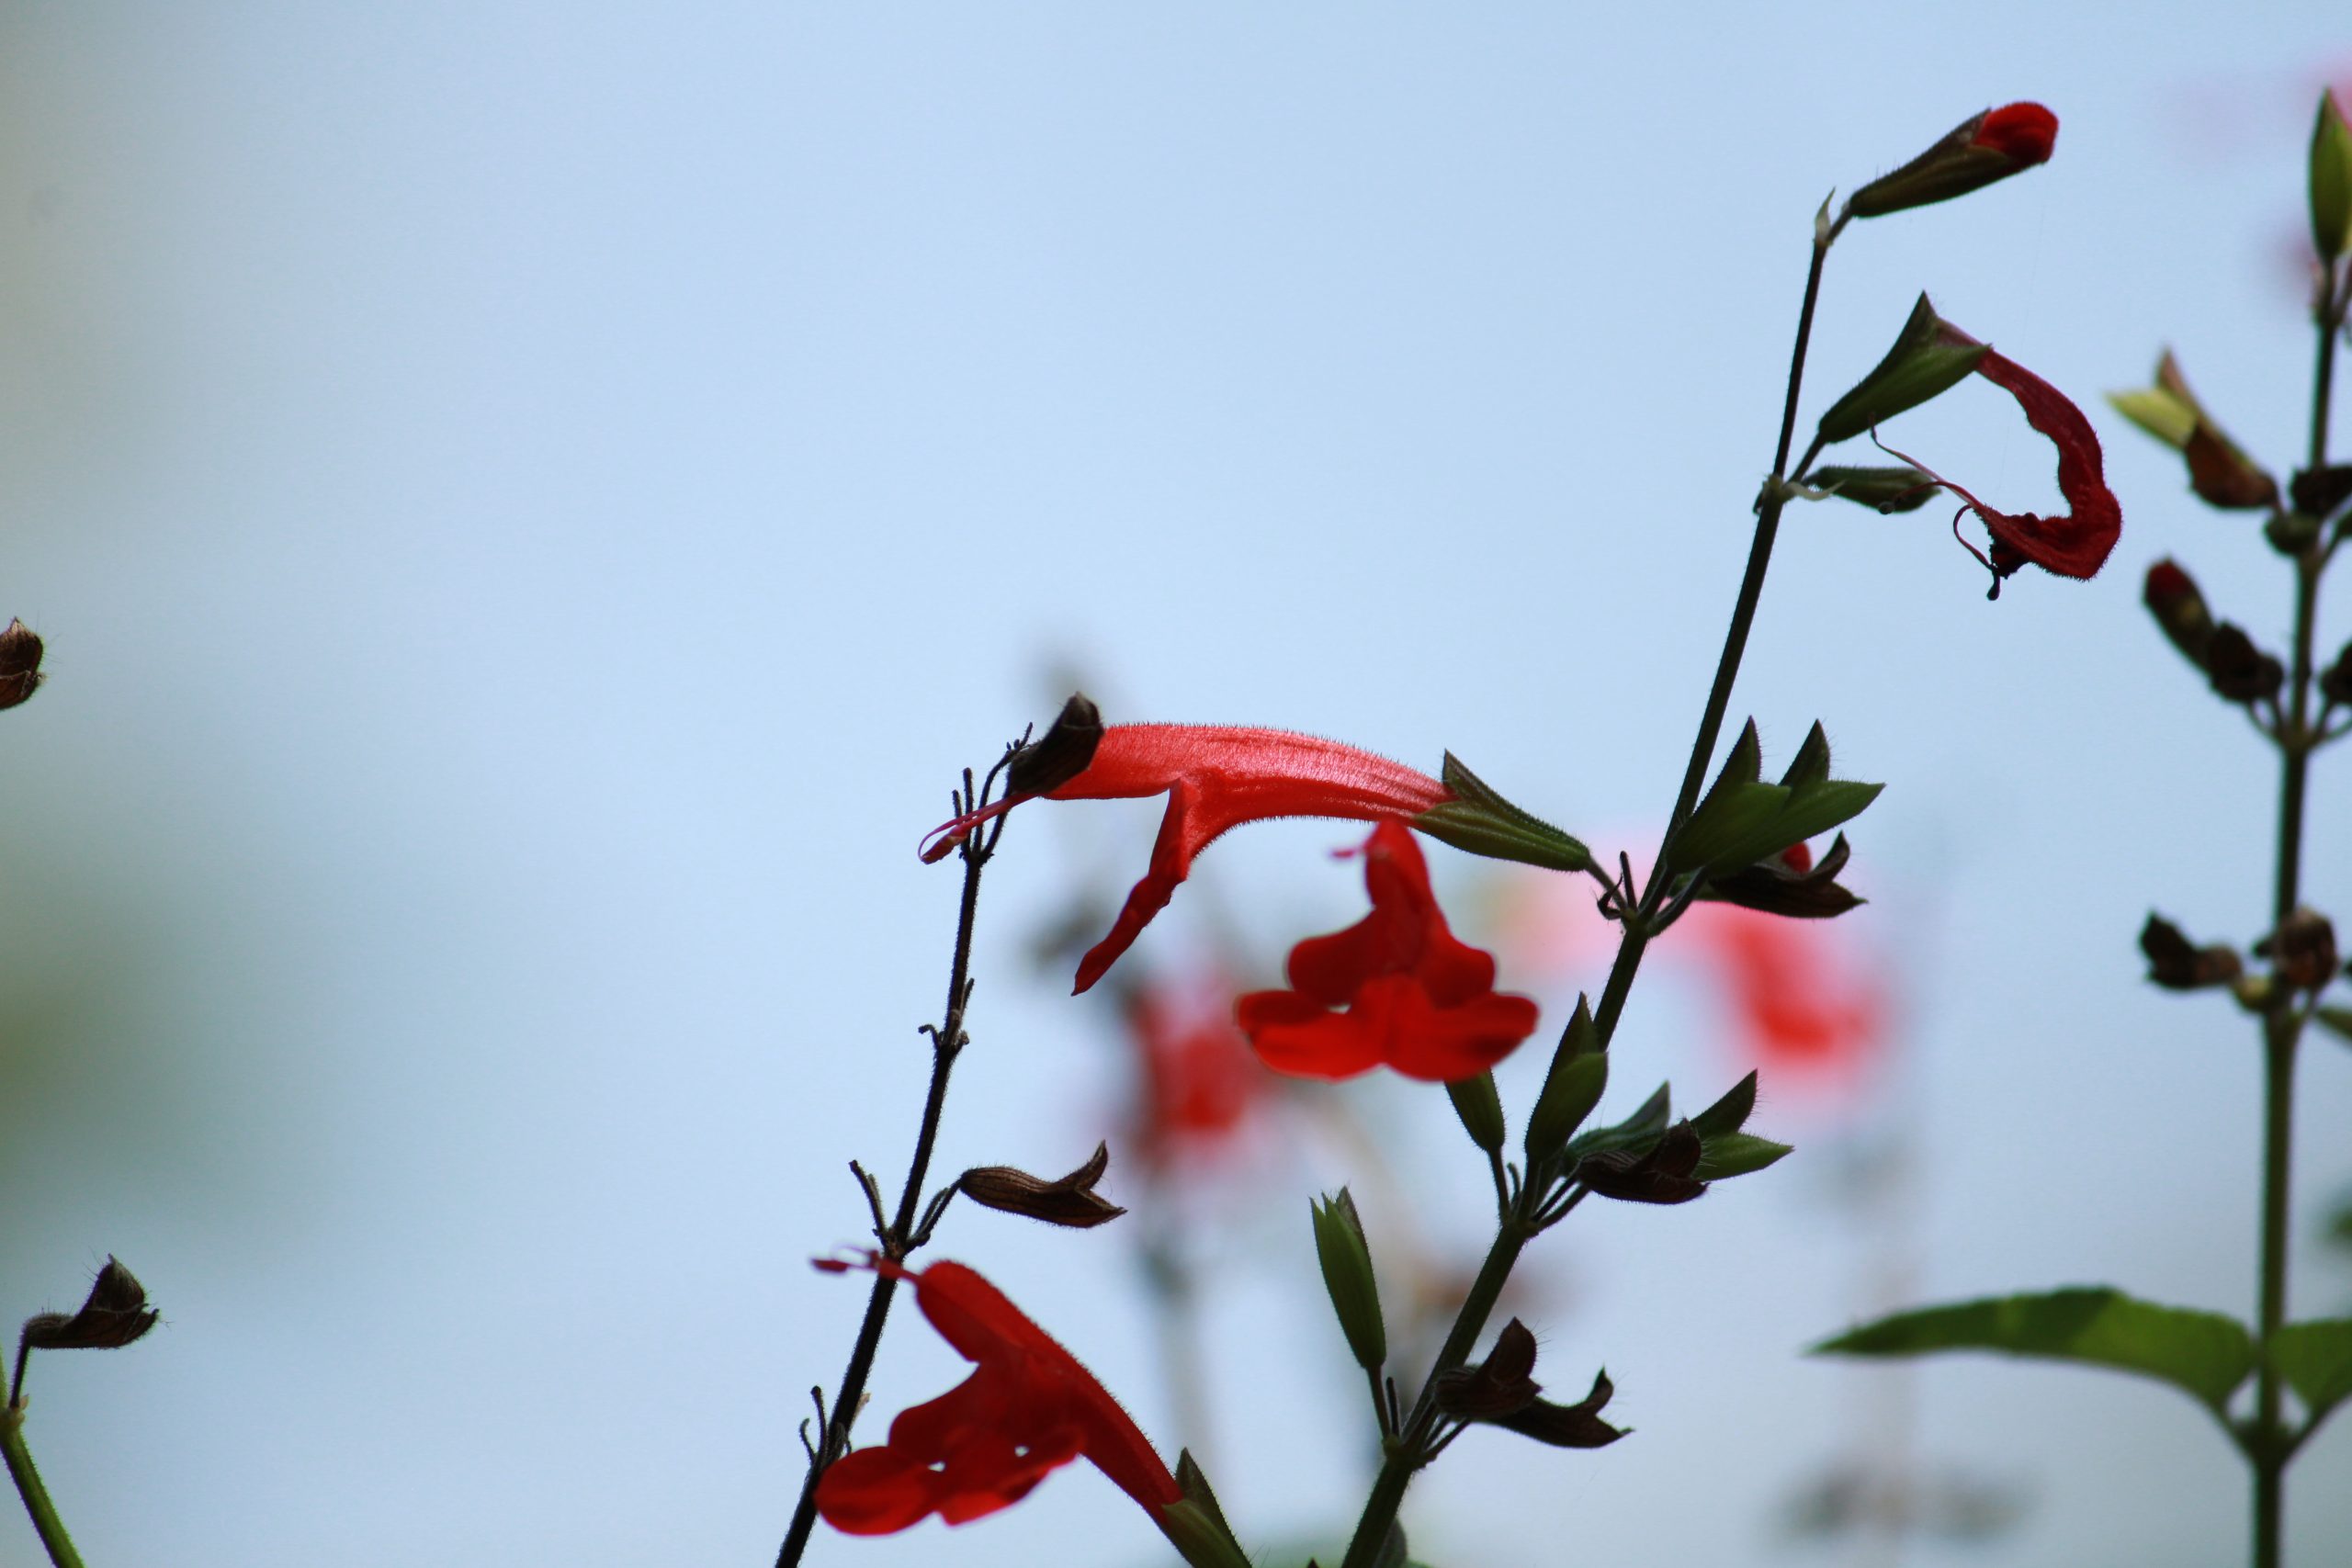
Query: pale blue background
pixel 530 505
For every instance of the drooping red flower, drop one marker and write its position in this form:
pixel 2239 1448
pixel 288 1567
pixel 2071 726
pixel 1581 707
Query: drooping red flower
pixel 1027 1407
pixel 1396 988
pixel 1216 777
pixel 2074 544
pixel 1796 1007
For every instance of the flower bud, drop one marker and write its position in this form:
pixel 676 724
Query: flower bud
pixel 2336 681
pixel 1883 489
pixel 2238 670
pixel 1579 1072
pixel 2173 598
pixel 2224 477
pixel 114 1314
pixel 1923 363
pixel 1984 148
pixel 2302 950
pixel 1661 1176
pixel 2331 180
pixel 1481 1110
pixel 19 663
pixel 1346 1259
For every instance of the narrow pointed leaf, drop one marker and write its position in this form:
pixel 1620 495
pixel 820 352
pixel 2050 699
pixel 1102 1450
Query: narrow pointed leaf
pixel 1737 1154
pixel 1481 822
pixel 1728 1114
pixel 2202 1353
pixel 1639 1131
pixel 1571 1089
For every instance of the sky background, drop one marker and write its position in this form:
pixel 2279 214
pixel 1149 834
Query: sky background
pixel 530 507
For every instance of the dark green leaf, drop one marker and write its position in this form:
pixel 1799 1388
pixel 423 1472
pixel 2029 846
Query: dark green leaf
pixel 2204 1353
pixel 1728 1114
pixel 1737 1153
pixel 2316 1361
pixel 1639 1131
pixel 1482 822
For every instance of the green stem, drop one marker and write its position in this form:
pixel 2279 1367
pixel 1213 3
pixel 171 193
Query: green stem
pixel 1512 1236
pixel 2282 1025
pixel 50 1529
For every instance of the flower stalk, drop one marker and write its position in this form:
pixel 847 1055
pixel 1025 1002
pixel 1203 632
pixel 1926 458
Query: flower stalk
pixel 45 1524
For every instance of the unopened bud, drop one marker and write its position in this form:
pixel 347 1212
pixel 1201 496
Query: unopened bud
pixel 1980 150
pixel 1346 1259
pixel 1070 1201
pixel 115 1313
pixel 2302 950
pixel 2173 598
pixel 2320 492
pixel 2238 670
pixel 2223 476
pixel 1481 1110
pixel 1886 490
pixel 1579 1072
pixel 2331 180
pixel 19 663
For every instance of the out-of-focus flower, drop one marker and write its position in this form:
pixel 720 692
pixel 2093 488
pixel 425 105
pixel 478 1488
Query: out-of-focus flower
pixel 1028 1407
pixel 1397 988
pixel 1795 1009
pixel 1216 777
pixel 1198 1083
pixel 2074 544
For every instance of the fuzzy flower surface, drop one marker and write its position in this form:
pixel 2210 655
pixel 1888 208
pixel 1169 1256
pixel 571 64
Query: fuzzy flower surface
pixel 1397 988
pixel 1216 777
pixel 1027 1408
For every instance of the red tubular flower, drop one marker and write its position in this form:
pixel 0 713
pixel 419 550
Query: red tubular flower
pixel 1199 1082
pixel 1797 1008
pixel 1975 153
pixel 1027 1407
pixel 2075 544
pixel 1410 994
pixel 1216 777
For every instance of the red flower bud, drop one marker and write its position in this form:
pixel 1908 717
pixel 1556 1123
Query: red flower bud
pixel 1984 148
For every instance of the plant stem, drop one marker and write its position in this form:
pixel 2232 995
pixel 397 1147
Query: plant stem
pixel 1513 1235
pixel 2282 1025
pixel 50 1529
pixel 945 1044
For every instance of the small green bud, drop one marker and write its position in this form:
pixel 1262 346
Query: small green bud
pixel 1883 489
pixel 1481 1110
pixel 1346 1259
pixel 1579 1072
pixel 2331 180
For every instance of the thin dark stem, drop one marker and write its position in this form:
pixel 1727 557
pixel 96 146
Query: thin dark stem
pixel 1512 1236
pixel 45 1524
pixel 2282 1025
pixel 946 1042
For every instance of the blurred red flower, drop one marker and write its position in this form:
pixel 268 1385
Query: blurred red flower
pixel 1407 992
pixel 1027 1407
pixel 1216 777
pixel 1795 1009
pixel 1198 1081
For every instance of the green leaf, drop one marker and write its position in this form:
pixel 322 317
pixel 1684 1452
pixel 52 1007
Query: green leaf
pixel 1482 822
pixel 1199 1537
pixel 1639 1131
pixel 1811 764
pixel 2316 1361
pixel 1737 1154
pixel 2201 1352
pixel 1811 811
pixel 1729 818
pixel 2335 1020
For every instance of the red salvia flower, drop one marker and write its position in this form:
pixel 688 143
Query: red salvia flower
pixel 1407 992
pixel 1199 1083
pixel 2074 544
pixel 1027 1407
pixel 1216 777
pixel 1794 1006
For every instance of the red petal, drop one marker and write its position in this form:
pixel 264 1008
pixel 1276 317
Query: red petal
pixel 2026 132
pixel 874 1492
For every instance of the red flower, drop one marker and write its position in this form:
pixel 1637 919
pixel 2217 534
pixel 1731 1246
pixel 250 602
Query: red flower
pixel 1795 1007
pixel 1027 1407
pixel 2025 133
pixel 2075 544
pixel 1199 1081
pixel 1409 993
pixel 1216 777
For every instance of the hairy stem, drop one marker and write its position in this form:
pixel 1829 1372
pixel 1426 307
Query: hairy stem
pixel 50 1529
pixel 945 1044
pixel 1513 1234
